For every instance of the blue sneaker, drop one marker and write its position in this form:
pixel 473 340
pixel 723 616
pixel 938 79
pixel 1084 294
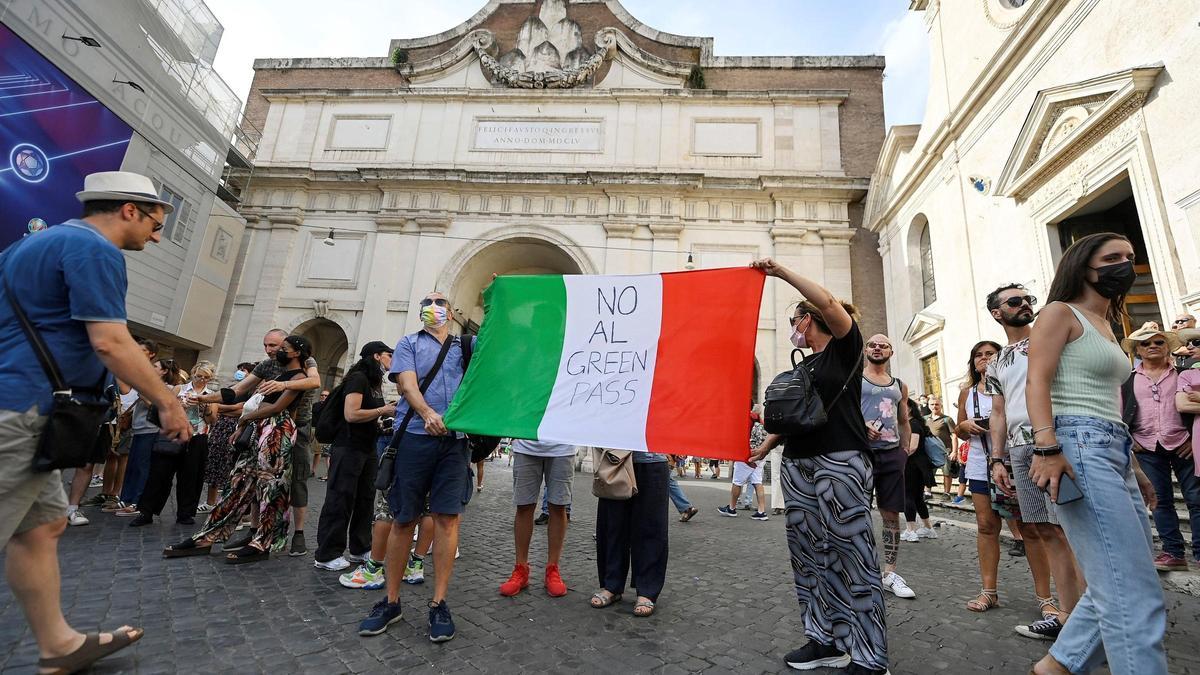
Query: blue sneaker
pixel 441 626
pixel 382 615
pixel 726 511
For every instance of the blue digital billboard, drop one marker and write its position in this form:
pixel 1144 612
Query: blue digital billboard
pixel 52 134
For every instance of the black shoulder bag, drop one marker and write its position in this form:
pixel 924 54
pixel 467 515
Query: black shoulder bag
pixel 792 403
pixel 71 431
pixel 481 447
pixel 387 461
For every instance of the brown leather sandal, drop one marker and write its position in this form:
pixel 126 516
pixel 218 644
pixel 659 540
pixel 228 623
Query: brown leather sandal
pixel 91 651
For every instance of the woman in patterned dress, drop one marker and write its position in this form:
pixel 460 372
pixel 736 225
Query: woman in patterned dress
pixel 265 479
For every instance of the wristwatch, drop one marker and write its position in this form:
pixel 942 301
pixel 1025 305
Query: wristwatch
pixel 994 461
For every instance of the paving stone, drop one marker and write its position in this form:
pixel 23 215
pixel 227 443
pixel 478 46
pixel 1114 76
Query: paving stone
pixel 728 605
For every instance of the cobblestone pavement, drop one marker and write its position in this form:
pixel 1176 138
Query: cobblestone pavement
pixel 728 606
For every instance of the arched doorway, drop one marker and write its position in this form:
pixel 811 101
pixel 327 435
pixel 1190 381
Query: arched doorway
pixel 329 348
pixel 518 255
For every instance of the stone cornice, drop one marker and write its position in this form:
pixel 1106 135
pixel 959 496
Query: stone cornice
pixel 623 230
pixel 668 231
pixel 707 96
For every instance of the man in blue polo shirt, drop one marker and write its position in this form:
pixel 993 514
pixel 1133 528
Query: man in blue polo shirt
pixel 70 281
pixel 432 464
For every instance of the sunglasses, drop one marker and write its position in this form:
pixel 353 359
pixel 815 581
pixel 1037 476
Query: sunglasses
pixel 440 302
pixel 1194 342
pixel 1179 322
pixel 1018 300
pixel 158 224
pixel 878 345
pixel 1156 343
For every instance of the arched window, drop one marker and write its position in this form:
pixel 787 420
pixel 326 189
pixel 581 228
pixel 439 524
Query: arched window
pixel 928 285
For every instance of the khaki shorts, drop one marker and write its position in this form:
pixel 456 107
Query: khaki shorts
pixel 301 466
pixel 27 499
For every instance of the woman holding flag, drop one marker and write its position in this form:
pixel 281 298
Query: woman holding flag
pixel 827 485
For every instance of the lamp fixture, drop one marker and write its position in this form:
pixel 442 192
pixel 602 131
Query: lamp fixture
pixel 87 41
pixel 690 264
pixel 329 240
pixel 131 83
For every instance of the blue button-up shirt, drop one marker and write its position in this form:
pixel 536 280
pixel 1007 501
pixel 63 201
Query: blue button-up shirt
pixel 417 353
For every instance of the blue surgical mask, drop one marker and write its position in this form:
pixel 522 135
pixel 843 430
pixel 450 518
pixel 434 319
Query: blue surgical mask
pixel 239 375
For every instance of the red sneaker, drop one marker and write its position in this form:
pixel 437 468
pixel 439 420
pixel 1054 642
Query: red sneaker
pixel 555 587
pixel 1165 562
pixel 517 582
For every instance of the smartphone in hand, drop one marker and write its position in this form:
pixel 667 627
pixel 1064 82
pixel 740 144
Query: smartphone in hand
pixel 1068 490
pixel 985 422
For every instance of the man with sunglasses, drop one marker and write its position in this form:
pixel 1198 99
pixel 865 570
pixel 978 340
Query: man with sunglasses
pixel 432 465
pixel 1162 439
pixel 1011 306
pixel 70 281
pixel 1187 354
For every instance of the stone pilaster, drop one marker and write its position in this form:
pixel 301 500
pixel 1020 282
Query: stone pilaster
pixel 276 258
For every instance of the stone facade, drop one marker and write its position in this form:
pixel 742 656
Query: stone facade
pixel 439 170
pixel 1045 120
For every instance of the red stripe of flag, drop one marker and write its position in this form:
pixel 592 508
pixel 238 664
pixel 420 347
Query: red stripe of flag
pixel 704 371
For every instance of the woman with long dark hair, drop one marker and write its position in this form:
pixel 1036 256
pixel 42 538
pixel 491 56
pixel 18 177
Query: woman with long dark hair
pixel 1082 457
pixel 265 478
pixel 350 491
pixel 827 486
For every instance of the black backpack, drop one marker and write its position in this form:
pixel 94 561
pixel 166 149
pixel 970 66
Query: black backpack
pixel 329 420
pixel 792 404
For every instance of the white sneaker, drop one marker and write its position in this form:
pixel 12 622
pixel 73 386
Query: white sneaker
pixel 336 565
pixel 355 559
pixel 927 533
pixel 97 481
pixel 77 518
pixel 909 535
pixel 895 583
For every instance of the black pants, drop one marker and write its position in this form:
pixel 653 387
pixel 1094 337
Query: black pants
pixel 914 495
pixel 635 531
pixel 349 503
pixel 185 469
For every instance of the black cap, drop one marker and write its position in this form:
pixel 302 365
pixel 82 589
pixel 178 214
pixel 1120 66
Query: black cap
pixel 374 347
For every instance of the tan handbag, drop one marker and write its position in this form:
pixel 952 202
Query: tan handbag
pixel 612 474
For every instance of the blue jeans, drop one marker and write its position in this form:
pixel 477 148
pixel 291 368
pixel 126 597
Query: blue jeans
pixel 679 499
pixel 1122 615
pixel 137 467
pixel 1158 467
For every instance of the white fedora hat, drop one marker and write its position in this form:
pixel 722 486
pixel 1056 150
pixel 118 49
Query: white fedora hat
pixel 121 186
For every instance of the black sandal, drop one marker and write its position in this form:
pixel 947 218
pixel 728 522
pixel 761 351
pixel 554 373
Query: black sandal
pixel 186 549
pixel 91 651
pixel 248 554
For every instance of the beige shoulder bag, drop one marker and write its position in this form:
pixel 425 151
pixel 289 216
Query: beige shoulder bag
pixel 612 474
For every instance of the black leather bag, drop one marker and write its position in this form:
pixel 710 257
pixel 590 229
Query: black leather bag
pixel 387 461
pixel 76 413
pixel 792 404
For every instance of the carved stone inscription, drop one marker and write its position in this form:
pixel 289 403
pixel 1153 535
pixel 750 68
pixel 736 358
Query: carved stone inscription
pixel 539 135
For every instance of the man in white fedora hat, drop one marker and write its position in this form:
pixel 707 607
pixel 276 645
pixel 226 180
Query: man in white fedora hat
pixel 69 280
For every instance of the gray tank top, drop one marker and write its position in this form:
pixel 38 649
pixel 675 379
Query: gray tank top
pixel 880 406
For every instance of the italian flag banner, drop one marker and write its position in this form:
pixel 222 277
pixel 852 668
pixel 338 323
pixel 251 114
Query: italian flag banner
pixel 655 362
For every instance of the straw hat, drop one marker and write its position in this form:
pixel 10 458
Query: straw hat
pixel 1130 344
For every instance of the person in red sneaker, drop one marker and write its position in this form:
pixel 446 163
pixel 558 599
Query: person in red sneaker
pixel 534 461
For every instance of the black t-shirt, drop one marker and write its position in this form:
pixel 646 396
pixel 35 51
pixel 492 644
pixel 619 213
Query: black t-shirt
pixel 841 360
pixel 361 435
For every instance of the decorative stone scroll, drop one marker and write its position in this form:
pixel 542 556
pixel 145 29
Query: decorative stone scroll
pixel 561 78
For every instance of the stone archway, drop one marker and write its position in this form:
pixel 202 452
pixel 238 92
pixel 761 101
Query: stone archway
pixel 330 345
pixel 521 253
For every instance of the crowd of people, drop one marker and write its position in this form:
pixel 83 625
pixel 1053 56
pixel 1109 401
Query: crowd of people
pixel 1055 435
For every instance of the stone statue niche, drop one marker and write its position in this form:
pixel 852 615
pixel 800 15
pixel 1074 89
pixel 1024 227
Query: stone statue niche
pixel 548 42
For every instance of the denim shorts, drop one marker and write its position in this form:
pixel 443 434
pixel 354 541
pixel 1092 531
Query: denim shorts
pixel 433 467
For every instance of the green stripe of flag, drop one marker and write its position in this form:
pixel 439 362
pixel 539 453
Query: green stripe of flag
pixel 522 337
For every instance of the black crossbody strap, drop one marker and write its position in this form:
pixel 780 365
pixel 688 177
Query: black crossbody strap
pixel 437 365
pixel 40 350
pixel 857 369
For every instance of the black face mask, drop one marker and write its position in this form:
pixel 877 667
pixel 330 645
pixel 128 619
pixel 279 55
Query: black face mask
pixel 1115 279
pixel 282 359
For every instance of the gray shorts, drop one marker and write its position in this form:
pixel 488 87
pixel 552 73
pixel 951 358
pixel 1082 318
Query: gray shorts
pixel 528 472
pixel 1036 506
pixel 27 499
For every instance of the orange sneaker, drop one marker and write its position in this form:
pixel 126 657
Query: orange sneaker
pixel 517 582
pixel 555 587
